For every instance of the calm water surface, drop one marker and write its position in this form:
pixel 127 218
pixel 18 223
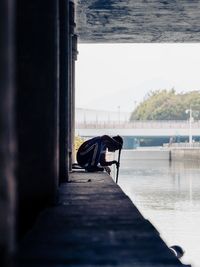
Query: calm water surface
pixel 168 194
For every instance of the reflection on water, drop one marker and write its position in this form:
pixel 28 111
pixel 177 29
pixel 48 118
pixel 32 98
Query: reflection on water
pixel 168 194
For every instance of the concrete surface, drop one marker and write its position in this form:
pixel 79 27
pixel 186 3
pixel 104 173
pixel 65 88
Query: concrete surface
pixel 185 153
pixel 146 154
pixel 94 224
pixel 126 21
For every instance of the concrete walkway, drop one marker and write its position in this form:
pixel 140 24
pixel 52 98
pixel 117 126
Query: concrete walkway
pixel 94 224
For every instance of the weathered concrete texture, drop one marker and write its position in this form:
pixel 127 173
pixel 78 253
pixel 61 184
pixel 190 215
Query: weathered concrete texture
pixel 138 21
pixel 94 224
pixel 185 154
pixel 7 137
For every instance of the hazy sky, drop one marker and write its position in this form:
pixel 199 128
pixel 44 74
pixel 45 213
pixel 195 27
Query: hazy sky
pixel 113 75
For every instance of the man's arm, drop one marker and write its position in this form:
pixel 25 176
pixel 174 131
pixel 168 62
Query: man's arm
pixel 103 161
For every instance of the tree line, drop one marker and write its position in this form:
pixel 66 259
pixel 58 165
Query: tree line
pixel 168 105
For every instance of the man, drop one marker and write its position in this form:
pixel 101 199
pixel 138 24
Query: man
pixel 91 154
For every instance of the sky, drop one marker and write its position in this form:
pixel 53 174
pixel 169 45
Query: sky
pixel 119 76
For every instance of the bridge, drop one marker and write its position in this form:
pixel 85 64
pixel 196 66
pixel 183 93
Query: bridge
pixel 139 128
pixel 143 133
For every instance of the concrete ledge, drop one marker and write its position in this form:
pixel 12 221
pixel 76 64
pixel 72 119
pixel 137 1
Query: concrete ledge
pixel 94 224
pixel 146 153
pixel 185 153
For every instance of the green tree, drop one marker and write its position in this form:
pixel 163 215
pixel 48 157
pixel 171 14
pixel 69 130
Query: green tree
pixel 167 105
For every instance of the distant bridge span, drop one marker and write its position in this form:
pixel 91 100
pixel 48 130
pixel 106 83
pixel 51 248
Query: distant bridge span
pixel 139 128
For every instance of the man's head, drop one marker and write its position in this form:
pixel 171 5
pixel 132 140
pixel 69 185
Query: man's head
pixel 112 147
pixel 119 139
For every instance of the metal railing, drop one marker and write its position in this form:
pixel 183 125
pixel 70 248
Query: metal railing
pixel 137 125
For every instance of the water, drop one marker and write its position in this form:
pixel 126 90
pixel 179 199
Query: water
pixel 168 194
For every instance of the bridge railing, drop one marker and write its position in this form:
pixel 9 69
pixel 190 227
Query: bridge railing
pixel 137 125
pixel 183 145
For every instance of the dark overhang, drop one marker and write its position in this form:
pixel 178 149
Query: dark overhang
pixel 128 21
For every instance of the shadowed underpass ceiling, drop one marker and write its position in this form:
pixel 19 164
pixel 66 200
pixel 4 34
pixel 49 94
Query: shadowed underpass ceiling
pixel 127 21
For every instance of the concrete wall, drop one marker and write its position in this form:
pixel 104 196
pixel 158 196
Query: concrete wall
pixel 36 61
pixel 37 99
pixel 145 154
pixel 185 154
pixel 162 154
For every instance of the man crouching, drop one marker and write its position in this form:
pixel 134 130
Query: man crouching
pixel 91 154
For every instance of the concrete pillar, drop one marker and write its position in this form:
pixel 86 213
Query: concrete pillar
pixel 7 140
pixel 71 118
pixel 37 107
pixel 64 88
pixel 71 29
pixel 67 26
pixel 74 58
